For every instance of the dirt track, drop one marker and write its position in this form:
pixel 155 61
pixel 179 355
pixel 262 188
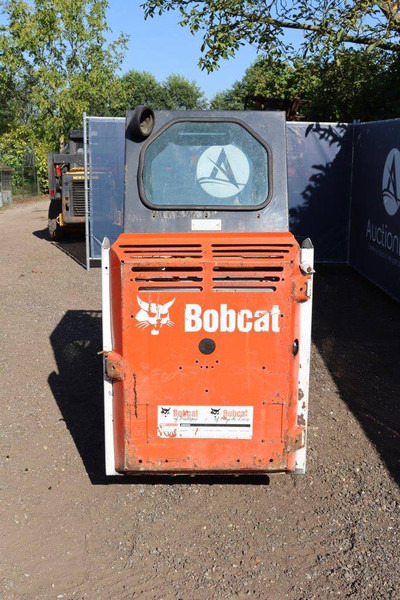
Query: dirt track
pixel 65 533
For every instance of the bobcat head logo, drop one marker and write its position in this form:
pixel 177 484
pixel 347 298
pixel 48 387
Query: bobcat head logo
pixel 154 314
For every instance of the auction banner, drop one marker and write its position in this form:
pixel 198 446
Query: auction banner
pixel 375 214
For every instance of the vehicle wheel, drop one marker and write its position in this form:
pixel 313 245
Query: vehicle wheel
pixel 56 232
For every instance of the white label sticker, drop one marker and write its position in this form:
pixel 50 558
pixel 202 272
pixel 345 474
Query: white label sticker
pixel 206 224
pixel 202 422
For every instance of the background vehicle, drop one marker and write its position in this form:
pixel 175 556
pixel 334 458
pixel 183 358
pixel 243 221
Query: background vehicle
pixel 67 187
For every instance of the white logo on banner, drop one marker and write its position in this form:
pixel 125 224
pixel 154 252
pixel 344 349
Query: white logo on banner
pixel 223 171
pixel 154 314
pixel 391 182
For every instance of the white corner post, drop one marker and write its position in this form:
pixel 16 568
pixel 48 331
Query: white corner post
pixel 306 259
pixel 107 347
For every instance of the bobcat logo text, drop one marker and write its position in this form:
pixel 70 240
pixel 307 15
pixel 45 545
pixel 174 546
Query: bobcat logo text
pixel 154 315
pixel 224 319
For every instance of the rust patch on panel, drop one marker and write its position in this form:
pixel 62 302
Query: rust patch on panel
pixel 114 366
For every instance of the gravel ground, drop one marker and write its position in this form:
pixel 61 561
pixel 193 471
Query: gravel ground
pixel 66 533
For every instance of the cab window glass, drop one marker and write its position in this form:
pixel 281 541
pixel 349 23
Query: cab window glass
pixel 200 164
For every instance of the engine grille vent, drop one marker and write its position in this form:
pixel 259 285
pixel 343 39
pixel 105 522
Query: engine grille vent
pixel 251 251
pixel 163 251
pixel 173 267
pixel 246 279
pixel 78 198
pixel 168 279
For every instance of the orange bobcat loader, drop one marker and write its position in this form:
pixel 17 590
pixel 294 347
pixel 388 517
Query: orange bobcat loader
pixel 206 301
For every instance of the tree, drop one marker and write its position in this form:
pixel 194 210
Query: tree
pixel 55 53
pixel 327 24
pixel 137 87
pixel 354 85
pixel 231 99
pixel 182 94
pixel 269 77
pixel 141 87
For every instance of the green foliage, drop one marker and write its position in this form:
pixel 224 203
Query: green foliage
pixel 40 154
pixel 140 87
pixel 57 53
pixel 232 99
pixel 227 25
pixel 14 149
pixel 137 87
pixel 181 94
pixel 357 85
pixel 17 150
pixel 55 63
pixel 353 85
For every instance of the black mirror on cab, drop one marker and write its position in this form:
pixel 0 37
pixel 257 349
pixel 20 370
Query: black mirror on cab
pixel 141 123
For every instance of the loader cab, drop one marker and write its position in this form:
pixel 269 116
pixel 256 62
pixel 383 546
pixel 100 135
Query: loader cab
pixel 206 171
pixel 206 300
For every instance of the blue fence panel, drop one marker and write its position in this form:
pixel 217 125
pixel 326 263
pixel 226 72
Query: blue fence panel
pixel 319 178
pixel 375 215
pixel 106 137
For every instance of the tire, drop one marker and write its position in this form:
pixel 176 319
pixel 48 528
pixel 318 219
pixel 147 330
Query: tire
pixel 56 232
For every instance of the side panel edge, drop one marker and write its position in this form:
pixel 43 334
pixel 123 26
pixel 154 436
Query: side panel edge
pixel 107 347
pixel 307 257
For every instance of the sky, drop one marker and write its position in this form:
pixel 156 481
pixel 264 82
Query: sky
pixel 162 47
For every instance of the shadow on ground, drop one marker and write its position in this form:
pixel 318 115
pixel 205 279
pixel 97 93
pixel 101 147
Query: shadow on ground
pixel 356 330
pixel 73 244
pixel 78 390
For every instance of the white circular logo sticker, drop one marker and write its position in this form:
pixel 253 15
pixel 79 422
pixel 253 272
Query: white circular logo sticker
pixel 223 171
pixel 391 179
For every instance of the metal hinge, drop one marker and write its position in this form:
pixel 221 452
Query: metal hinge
pixel 306 269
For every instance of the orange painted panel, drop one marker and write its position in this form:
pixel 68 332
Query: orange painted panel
pixel 204 369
